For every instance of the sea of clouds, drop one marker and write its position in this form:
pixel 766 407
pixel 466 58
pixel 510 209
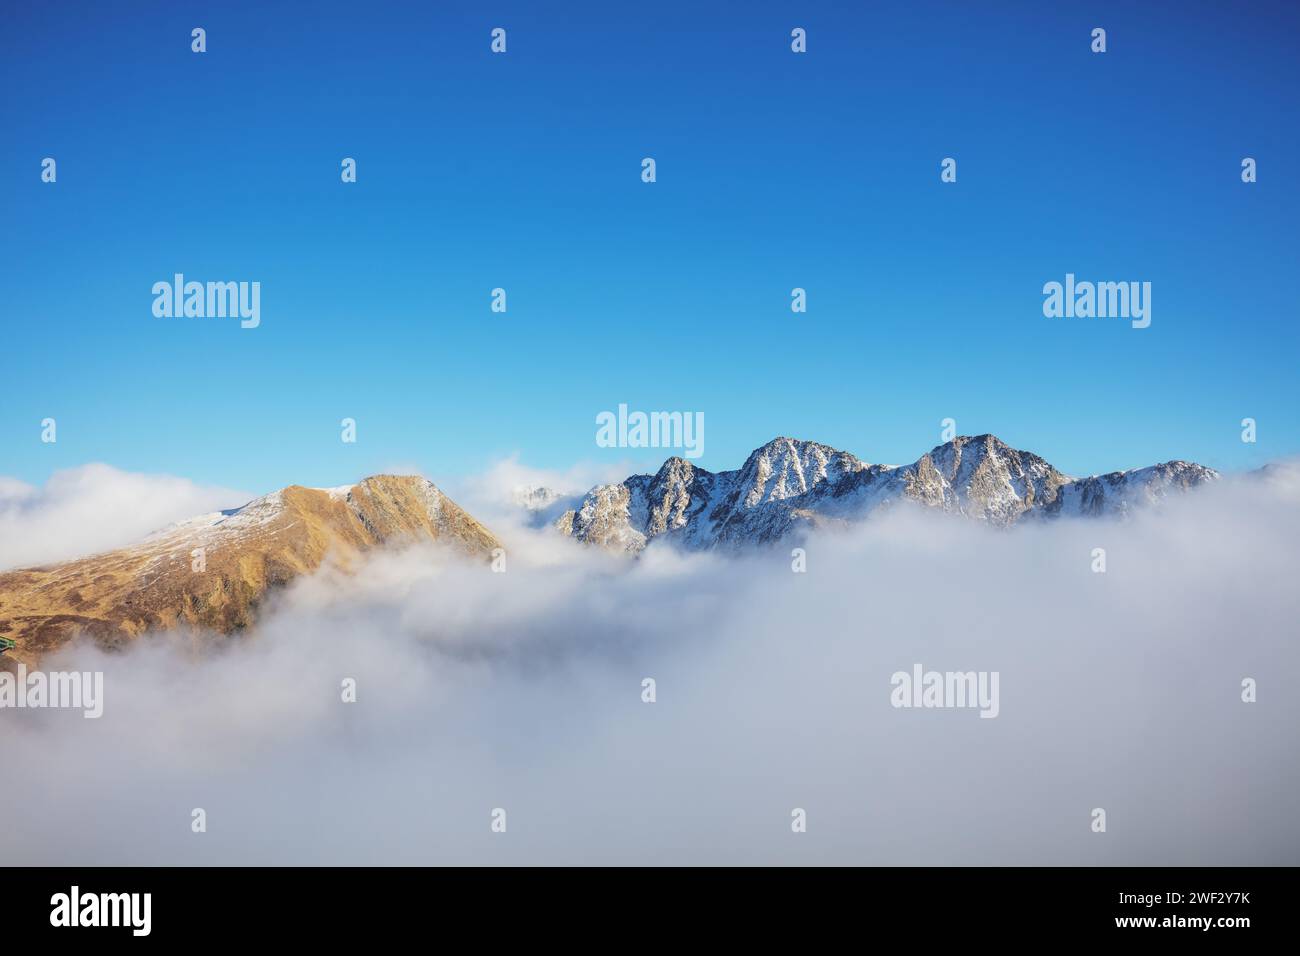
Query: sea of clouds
pixel 523 691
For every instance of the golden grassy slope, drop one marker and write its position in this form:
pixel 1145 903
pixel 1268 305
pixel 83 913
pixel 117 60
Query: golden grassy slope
pixel 115 597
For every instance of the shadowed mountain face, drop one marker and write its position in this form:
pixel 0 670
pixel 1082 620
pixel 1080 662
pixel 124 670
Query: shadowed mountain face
pixel 214 570
pixel 788 485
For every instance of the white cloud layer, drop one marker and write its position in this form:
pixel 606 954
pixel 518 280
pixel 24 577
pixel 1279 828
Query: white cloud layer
pixel 94 508
pixel 522 691
pixel 492 496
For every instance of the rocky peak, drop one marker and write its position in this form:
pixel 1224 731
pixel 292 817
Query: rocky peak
pixel 788 484
pixel 985 477
pixel 788 467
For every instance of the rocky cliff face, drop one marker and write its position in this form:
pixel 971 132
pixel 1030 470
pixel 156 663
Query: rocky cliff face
pixel 788 485
pixel 246 552
pixel 1120 492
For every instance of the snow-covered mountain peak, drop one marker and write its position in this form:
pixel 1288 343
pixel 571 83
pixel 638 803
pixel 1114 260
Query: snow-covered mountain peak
pixel 789 467
pixel 534 497
pixel 790 484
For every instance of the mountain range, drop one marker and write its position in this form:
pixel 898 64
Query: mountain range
pixel 789 485
pixel 214 571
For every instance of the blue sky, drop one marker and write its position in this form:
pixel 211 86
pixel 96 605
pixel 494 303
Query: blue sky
pixel 522 171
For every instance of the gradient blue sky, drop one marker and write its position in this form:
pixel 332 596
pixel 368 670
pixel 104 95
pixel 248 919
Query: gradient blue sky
pixel 523 171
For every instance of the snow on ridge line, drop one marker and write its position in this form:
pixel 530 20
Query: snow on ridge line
pixel 789 484
pixel 338 492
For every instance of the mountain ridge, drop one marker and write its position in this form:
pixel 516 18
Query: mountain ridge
pixel 214 570
pixel 788 484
